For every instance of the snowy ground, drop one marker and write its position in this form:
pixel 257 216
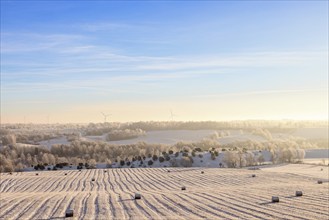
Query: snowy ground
pixel 216 194
pixel 174 136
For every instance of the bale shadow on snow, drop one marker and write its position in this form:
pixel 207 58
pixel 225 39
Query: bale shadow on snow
pixel 125 200
pixel 265 203
pixel 54 218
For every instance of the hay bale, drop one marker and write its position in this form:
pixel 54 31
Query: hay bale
pixel 65 174
pixel 138 196
pixel 275 199
pixel 320 182
pixel 183 188
pixel 168 171
pixel 10 173
pixel 105 171
pixel 37 174
pixel 93 179
pixel 68 213
pixel 299 193
pixel 253 175
pixel 202 172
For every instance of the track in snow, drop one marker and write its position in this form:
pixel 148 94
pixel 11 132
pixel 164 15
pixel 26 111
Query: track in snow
pixel 216 194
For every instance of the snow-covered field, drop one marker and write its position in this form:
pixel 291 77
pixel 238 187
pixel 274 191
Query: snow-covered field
pixel 216 194
pixel 174 136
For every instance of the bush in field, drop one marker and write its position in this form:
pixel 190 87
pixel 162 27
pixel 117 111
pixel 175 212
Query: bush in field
pixel 201 155
pixel 185 162
pixel 150 163
pixel 213 157
pixel 198 149
pixel 185 154
pixel 171 152
pixel 176 154
pixel 128 163
pixel 167 158
pixel 122 163
pixel 161 159
pixel 231 159
pixel 155 158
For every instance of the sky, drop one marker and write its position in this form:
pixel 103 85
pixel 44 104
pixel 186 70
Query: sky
pixel 68 61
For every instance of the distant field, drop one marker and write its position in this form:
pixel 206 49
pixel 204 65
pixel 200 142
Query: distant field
pixel 216 194
pixel 174 136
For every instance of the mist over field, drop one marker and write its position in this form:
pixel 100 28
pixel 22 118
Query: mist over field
pixel 164 110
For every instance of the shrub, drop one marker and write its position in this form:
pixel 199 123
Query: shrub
pixel 122 162
pixel 155 157
pixel 185 154
pixel 201 155
pixel 128 163
pixel 193 154
pixel 186 162
pixel 216 153
pixel 176 154
pixel 171 152
pixel 161 159
pixel 167 158
pixel 150 162
pixel 198 149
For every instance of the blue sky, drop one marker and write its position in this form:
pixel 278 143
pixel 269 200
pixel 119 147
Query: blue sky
pixel 139 60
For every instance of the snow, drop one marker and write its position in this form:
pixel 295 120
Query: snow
pixel 49 143
pixel 216 194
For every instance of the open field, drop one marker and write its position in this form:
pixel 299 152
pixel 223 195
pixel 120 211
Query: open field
pixel 216 194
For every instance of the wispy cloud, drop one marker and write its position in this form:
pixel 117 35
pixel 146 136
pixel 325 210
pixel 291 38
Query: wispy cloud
pixel 29 42
pixel 261 92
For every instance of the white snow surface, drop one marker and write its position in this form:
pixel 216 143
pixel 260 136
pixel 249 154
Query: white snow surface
pixel 216 194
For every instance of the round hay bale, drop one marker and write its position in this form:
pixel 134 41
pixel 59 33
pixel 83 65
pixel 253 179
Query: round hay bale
pixel 37 174
pixel 202 172
pixel 275 199
pixel 183 188
pixel 93 179
pixel 10 173
pixel 320 182
pixel 299 193
pixel 68 213
pixel 65 174
pixel 168 171
pixel 138 196
pixel 253 175
pixel 105 171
